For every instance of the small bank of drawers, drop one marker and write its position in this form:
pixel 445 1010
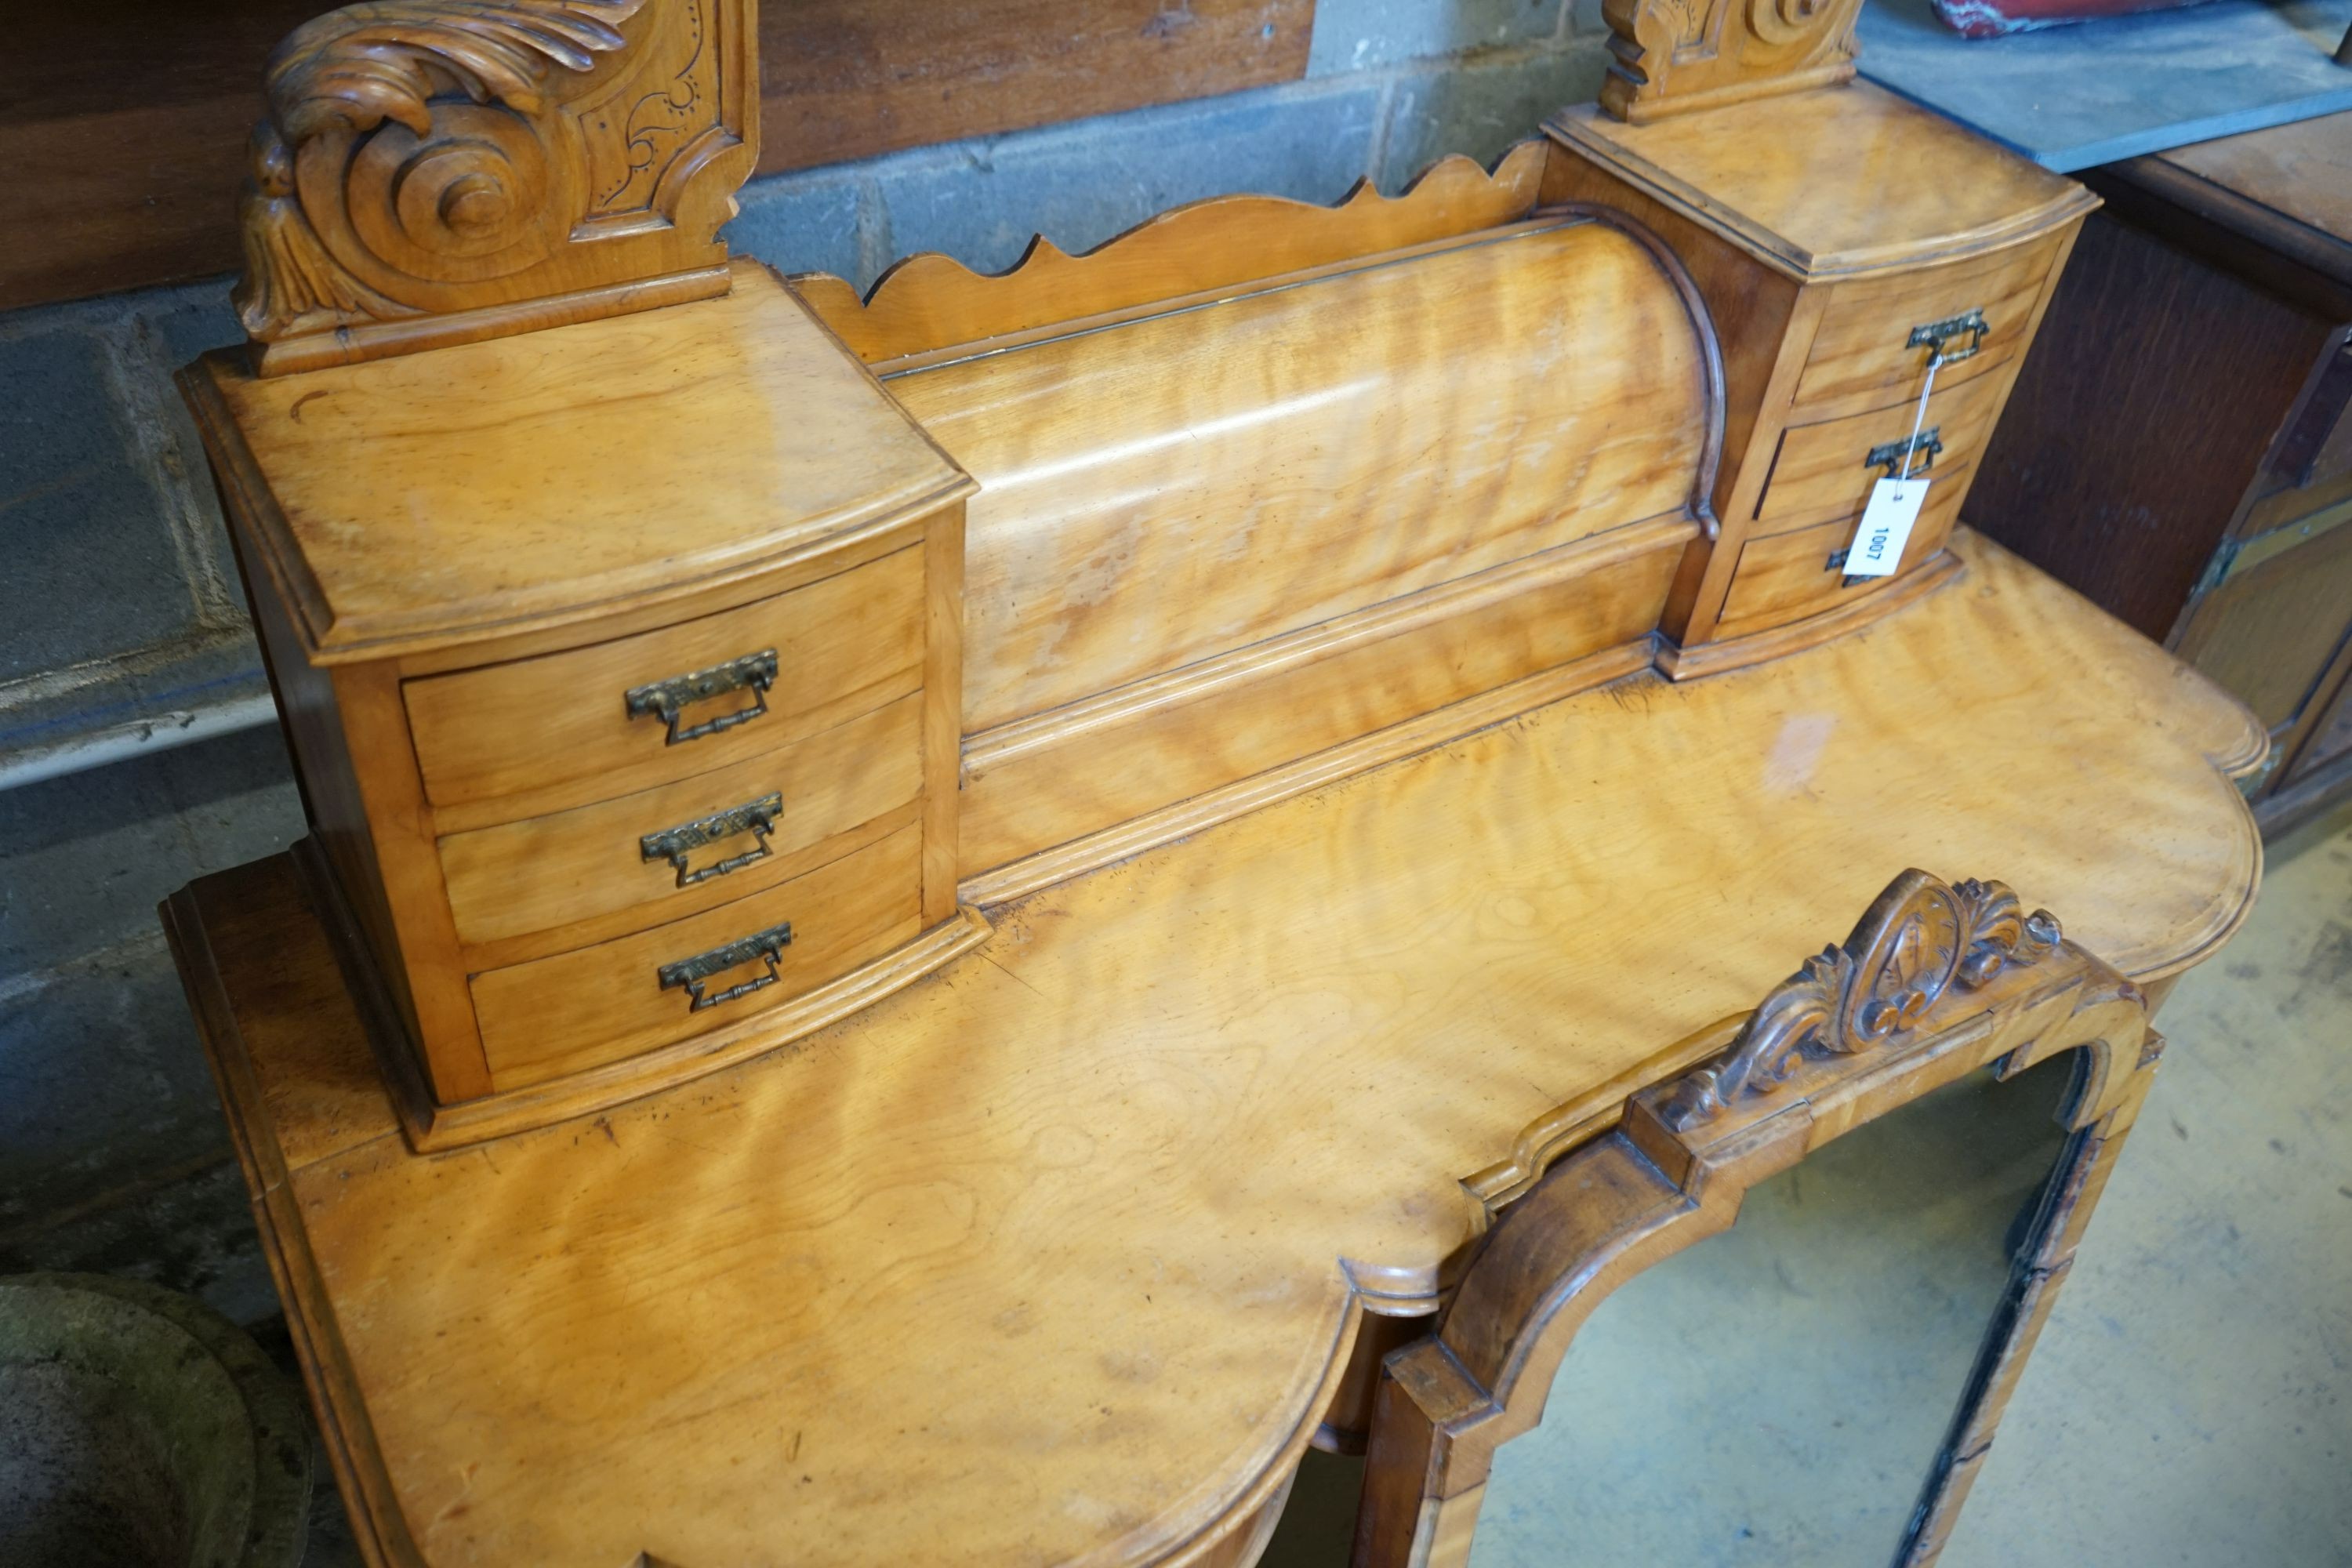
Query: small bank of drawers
pixel 1852 419
pixel 653 836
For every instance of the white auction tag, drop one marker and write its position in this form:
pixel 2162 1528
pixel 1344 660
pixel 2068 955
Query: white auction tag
pixel 1878 547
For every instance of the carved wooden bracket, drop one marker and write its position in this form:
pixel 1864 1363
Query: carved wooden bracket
pixel 1919 940
pixel 1936 981
pixel 1673 56
pixel 438 171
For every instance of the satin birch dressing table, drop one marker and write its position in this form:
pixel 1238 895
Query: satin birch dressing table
pixel 942 926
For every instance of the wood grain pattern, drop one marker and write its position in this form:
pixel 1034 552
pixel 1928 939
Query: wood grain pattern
pixel 843 645
pixel 928 303
pixel 851 79
pixel 1070 772
pixel 1776 639
pixel 1816 260
pixel 1825 184
pixel 149 104
pixel 2192 373
pixel 438 171
pixel 1186 485
pixel 528 474
pixel 1671 57
pixel 1788 577
pixel 1861 350
pixel 914 1203
pixel 1819 468
pixel 152 103
pixel 1822 1054
pixel 546 873
pixel 558 1015
pixel 2302 171
pixel 2203 332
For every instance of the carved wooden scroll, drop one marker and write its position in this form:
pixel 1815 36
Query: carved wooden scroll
pixel 1672 56
pixel 1919 939
pixel 438 171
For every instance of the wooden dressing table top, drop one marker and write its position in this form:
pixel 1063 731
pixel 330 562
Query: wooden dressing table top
pixel 527 482
pixel 1054 1256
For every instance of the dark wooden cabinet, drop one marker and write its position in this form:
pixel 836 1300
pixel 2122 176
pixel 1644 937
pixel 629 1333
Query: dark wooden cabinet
pixel 2179 448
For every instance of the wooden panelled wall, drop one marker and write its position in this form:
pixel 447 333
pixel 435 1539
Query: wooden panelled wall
pixel 127 122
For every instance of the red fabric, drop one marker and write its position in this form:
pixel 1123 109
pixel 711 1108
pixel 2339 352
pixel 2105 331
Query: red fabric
pixel 1990 18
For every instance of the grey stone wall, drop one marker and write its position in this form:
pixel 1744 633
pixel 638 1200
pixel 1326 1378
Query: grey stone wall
pixel 122 632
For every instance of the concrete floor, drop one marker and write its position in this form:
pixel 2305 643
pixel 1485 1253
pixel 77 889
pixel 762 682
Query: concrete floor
pixel 1773 1396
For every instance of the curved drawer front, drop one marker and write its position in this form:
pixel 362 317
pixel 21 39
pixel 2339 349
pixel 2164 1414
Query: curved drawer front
pixel 1166 491
pixel 1785 577
pixel 1863 351
pixel 595 1005
pixel 1826 469
pixel 593 722
pixel 714 837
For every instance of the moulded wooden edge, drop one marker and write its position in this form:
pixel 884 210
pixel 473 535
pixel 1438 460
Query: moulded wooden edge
pixel 429 1127
pixel 599 1088
pixel 328 640
pixel 1018 879
pixel 1701 659
pixel 928 301
pixel 1783 255
pixel 378 340
pixel 1463 596
pixel 344 1432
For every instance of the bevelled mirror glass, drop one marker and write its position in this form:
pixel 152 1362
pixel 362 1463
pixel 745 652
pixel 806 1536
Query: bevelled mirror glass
pixel 1779 1394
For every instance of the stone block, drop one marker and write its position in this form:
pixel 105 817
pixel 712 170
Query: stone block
pixel 94 566
pixel 800 223
pixel 1083 183
pixel 85 859
pixel 1480 109
pixel 1358 35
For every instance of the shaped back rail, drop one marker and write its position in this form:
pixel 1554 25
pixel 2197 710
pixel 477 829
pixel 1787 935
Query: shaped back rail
pixel 1935 981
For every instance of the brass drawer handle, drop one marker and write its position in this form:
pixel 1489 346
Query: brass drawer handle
pixel 1926 443
pixel 1936 336
pixel 757 817
pixel 691 973
pixel 665 700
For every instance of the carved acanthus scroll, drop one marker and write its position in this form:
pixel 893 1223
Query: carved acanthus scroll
pixel 511 160
pixel 1921 939
pixel 1671 55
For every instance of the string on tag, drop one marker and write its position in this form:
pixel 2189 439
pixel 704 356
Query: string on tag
pixel 1919 419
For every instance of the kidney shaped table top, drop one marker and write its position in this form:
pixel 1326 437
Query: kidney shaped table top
pixel 1058 1254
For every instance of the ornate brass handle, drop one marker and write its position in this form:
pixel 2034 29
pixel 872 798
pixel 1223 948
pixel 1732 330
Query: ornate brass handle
pixel 757 817
pixel 691 973
pixel 1936 336
pixel 1927 444
pixel 665 700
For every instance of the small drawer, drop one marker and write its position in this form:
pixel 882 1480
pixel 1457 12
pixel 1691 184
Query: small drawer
pixel 1864 348
pixel 662 705
pixel 1826 471
pixel 597 861
pixel 1785 577
pixel 595 1005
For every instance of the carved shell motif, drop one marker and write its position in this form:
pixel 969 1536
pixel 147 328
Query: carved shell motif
pixel 410 149
pixel 1920 938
